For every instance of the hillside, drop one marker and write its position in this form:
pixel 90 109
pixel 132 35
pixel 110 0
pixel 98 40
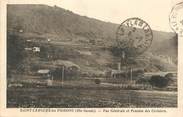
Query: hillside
pixel 65 27
pixel 51 21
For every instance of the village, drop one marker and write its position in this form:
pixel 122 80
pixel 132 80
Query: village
pixel 55 71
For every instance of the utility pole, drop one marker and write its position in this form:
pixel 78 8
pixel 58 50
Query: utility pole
pixel 123 57
pixel 124 63
pixel 131 75
pixel 62 75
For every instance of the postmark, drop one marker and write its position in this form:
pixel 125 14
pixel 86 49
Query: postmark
pixel 176 19
pixel 134 36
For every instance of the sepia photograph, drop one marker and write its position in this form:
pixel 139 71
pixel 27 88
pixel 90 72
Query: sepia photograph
pixel 92 56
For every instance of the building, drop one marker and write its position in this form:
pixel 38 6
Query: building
pixel 36 49
pixel 44 72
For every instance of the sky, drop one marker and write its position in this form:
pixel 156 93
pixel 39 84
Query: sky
pixel 154 12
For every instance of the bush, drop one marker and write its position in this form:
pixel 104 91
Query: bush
pixel 159 81
pixel 169 75
pixel 97 81
pixel 142 81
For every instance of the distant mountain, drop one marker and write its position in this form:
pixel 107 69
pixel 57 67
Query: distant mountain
pixel 65 26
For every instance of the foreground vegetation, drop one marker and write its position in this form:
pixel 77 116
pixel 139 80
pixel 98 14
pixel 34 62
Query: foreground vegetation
pixel 57 97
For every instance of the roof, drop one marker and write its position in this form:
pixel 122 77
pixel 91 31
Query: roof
pixel 56 64
pixel 66 63
pixel 43 71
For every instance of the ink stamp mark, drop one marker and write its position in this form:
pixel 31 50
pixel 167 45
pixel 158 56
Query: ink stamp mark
pixel 176 19
pixel 134 36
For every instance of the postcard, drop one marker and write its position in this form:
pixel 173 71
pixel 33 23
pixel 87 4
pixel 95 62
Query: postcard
pixel 91 58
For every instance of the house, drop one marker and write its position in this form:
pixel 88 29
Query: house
pixel 36 49
pixel 44 72
pixel 28 49
pixel 48 40
pixel 136 72
pixel 28 40
pixel 117 73
pixel 21 30
pixel 58 69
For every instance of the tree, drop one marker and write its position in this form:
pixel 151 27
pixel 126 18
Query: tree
pixel 58 73
pixel 159 81
pixel 15 51
pixel 97 81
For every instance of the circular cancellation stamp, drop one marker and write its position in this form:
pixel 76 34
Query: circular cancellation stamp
pixel 134 36
pixel 176 18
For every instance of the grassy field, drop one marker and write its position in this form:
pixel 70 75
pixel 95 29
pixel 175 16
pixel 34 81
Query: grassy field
pixel 59 97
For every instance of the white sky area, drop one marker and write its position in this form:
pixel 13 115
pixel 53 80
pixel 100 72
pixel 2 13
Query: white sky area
pixel 154 12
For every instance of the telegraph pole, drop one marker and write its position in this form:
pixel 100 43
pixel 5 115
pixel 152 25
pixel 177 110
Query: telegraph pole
pixel 123 57
pixel 131 75
pixel 62 75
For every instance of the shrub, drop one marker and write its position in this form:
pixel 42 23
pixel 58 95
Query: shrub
pixel 159 81
pixel 169 75
pixel 142 81
pixel 97 81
